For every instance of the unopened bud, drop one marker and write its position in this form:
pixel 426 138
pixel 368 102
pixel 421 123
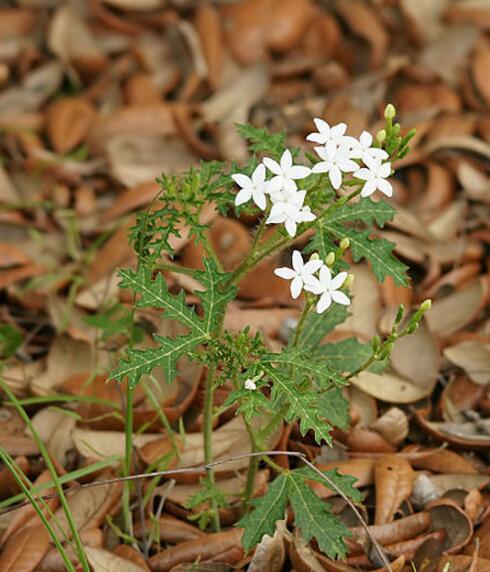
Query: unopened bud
pixel 412 328
pixel 315 256
pixel 348 281
pixel 330 259
pixel 381 136
pixel 390 111
pixel 399 314
pixel 344 243
pixel 426 305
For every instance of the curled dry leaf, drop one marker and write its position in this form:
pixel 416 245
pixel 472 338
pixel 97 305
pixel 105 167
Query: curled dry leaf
pixel 270 553
pixel 448 516
pixel 463 562
pixel 129 553
pixel 303 557
pixel 55 429
pixel 171 530
pixel 393 477
pixel 221 547
pixel 24 550
pixel 473 357
pixel 105 561
pixel 392 425
pixel 69 121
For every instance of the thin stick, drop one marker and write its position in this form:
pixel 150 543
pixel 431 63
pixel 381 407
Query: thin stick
pixel 202 468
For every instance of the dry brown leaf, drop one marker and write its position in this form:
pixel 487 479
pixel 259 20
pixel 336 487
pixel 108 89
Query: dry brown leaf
pixel 55 429
pixel 473 357
pixel 393 478
pixel 222 547
pixel 69 121
pixel 24 550
pixel 448 516
pixel 361 469
pixel 105 561
pixel 170 530
pixel 392 425
pixel 270 553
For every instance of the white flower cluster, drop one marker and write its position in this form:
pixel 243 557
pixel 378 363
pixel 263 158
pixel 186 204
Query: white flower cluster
pixel 339 154
pixel 316 277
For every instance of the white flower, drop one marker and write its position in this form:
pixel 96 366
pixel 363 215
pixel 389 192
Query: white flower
pixel 326 134
pixel 252 188
pixel 301 274
pixel 285 172
pixel 375 176
pixel 250 385
pixel 328 287
pixel 336 159
pixel 287 208
pixel 363 148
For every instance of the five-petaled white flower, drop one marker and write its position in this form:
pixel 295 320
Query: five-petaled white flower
pixel 363 147
pixel 253 187
pixel 328 289
pixel 285 172
pixel 375 176
pixel 287 208
pixel 326 134
pixel 301 274
pixel 250 385
pixel 336 159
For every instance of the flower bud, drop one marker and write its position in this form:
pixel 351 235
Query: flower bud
pixel 426 305
pixel 381 136
pixel 330 259
pixel 315 256
pixel 390 111
pixel 344 243
pixel 349 280
pixel 412 328
pixel 399 314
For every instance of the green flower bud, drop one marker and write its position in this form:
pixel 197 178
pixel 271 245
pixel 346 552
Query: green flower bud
pixel 348 281
pixel 330 259
pixel 399 314
pixel 344 243
pixel 315 256
pixel 412 328
pixel 390 111
pixel 381 136
pixel 426 305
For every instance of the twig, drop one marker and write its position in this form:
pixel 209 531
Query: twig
pixel 202 468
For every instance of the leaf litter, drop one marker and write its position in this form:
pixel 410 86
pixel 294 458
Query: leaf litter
pixel 96 100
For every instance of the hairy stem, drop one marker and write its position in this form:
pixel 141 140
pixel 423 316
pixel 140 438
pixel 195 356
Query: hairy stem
pixel 128 450
pixel 253 464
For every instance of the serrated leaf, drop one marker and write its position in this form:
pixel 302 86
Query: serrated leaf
pixel 141 362
pixel 343 482
pixel 302 405
pixel 343 356
pixel 297 358
pixel 317 326
pixel 333 406
pixel 261 140
pixel 365 210
pixel 268 510
pixel 314 519
pixel 154 293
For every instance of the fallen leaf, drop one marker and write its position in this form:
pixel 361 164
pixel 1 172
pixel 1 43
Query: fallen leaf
pixel 473 357
pixel 393 478
pixel 105 561
pixel 24 550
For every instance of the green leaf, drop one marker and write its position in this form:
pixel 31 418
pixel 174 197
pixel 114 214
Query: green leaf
pixel 333 406
pixel 343 356
pixel 314 519
pixel 343 482
pixel 10 340
pixel 317 326
pixel 297 358
pixel 268 510
pixel 303 404
pixel 365 210
pixel 262 141
pixel 140 362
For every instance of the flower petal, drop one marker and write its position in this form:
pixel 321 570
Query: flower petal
pixel 371 162
pixel 369 188
pixel 313 285
pixel 259 199
pixel 378 154
pixel 385 170
pixel 322 167
pixel 317 138
pixel 289 185
pixel 307 215
pixel 364 174
pixel 291 227
pixel 272 165
pixel 297 260
pixel 242 180
pixel 366 139
pixel 321 152
pixel 325 276
pixel 296 287
pixel 243 196
pixel 286 160
pixel 277 214
pixel 312 266
pixel 298 172
pixel 338 130
pixel 385 187
pixel 347 165
pixel 338 280
pixel 322 125
pixel 340 298
pixel 335 177
pixel 275 184
pixel 286 273
pixel 258 176
pixel 324 303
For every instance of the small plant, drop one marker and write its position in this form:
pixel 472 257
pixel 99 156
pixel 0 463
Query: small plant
pixel 330 200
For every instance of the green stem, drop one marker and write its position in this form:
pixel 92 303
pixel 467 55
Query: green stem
pixel 252 468
pixel 128 450
pixel 301 322
pixel 16 473
pixel 174 268
pixel 208 435
pixel 54 475
pixel 254 257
